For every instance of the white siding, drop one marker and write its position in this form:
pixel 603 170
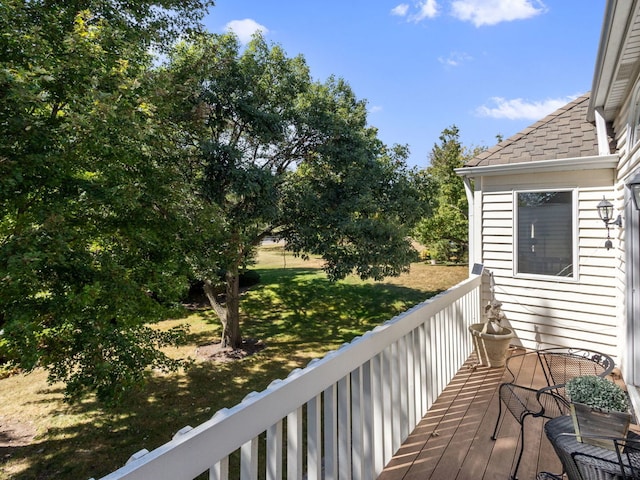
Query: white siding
pixel 547 311
pixel 629 163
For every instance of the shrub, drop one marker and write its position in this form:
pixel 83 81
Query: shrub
pixel 597 392
pixel 249 278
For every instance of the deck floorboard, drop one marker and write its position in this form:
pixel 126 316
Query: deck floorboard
pixel 453 440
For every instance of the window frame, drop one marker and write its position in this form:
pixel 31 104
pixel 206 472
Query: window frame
pixel 574 230
pixel 633 121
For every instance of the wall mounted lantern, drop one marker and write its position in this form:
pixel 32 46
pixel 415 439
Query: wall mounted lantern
pixel 634 186
pixel 605 210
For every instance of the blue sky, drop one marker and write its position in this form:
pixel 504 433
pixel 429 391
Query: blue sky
pixel 487 66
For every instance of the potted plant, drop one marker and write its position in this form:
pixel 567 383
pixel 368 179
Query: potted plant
pixel 599 407
pixel 490 338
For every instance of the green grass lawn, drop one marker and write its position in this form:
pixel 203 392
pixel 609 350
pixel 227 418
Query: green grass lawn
pixel 295 311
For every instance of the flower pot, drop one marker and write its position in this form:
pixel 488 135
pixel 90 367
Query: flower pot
pixel 589 421
pixel 491 348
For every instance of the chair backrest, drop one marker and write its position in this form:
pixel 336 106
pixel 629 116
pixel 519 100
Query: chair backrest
pixel 562 364
pixel 591 462
pixel 568 463
pixel 591 467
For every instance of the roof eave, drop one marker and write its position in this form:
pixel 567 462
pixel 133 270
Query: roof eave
pixel 614 29
pixel 560 165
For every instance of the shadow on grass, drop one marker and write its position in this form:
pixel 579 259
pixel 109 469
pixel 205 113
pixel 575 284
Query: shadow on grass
pixel 302 304
pixel 298 314
pixel 102 441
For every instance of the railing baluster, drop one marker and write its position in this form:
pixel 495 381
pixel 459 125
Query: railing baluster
pixel 403 387
pixel 314 439
pixel 377 415
pixel 294 445
pixel 411 382
pixel 220 471
pixel 422 349
pixel 396 398
pixel 249 460
pixel 344 428
pixel 357 427
pixel 368 440
pixel 387 399
pixel 331 432
pixel 274 452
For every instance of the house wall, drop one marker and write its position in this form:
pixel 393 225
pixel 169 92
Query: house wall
pixel 627 279
pixel 625 166
pixel 546 311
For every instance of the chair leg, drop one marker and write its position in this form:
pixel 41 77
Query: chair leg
pixel 495 429
pixel 514 475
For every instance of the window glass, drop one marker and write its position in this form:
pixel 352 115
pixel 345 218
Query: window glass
pixel 545 233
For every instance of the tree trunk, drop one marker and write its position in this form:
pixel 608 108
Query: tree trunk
pixel 229 314
pixel 231 334
pixel 221 311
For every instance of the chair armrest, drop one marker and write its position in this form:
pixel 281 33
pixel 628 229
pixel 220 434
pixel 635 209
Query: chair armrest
pixel 553 401
pixel 520 401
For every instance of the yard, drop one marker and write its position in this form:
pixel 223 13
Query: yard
pixel 294 315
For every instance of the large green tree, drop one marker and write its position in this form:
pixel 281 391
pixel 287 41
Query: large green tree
pixel 445 230
pixel 273 152
pixel 89 190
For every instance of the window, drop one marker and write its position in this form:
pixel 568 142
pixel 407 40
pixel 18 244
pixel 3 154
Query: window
pixel 545 233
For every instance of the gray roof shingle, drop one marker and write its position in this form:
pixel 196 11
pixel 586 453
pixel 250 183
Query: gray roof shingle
pixel 565 133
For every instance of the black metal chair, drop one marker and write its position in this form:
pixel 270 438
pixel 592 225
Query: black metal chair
pixel 558 365
pixel 607 459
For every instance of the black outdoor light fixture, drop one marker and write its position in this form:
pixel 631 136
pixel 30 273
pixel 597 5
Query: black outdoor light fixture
pixel 634 186
pixel 605 210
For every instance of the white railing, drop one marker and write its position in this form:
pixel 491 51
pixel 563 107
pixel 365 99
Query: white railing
pixel 340 418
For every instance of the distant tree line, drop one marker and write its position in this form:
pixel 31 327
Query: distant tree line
pixel 444 230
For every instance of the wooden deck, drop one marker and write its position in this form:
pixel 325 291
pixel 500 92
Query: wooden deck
pixel 453 441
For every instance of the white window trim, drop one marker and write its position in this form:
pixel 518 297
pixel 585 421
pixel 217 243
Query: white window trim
pixel 574 219
pixel 633 120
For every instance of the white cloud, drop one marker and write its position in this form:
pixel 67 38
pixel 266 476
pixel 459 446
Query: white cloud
pixel 375 109
pixel 478 12
pixel 455 59
pixel 491 12
pixel 520 109
pixel 420 10
pixel 426 9
pixel 245 28
pixel 400 10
